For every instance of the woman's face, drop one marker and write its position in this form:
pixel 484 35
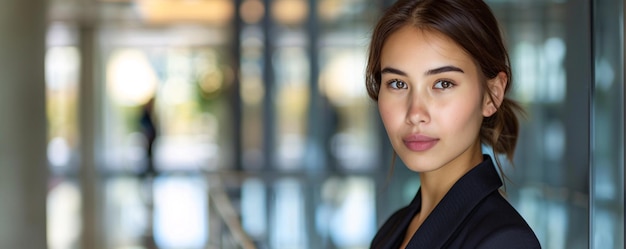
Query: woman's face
pixel 430 100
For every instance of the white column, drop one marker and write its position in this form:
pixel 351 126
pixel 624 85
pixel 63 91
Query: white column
pixel 90 94
pixel 23 163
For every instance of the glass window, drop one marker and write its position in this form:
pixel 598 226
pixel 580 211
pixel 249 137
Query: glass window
pixel 167 118
pixel 167 103
pixel 551 71
pixel 351 125
pixel 252 93
pixel 607 133
pixel 288 217
pixel 292 103
pixel 64 201
pixel 62 73
pixel 166 112
pixel 350 207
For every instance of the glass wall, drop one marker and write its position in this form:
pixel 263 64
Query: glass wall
pixel 167 121
pixel 268 97
pixel 308 129
pixel 161 87
pixel 607 128
pixel 550 47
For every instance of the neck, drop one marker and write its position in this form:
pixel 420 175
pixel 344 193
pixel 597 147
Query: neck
pixel 436 184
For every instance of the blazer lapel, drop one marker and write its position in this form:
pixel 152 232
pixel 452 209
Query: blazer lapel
pixel 455 206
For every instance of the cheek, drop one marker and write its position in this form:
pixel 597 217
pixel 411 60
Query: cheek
pixel 390 113
pixel 462 116
pixel 384 111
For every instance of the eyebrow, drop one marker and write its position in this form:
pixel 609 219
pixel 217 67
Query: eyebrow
pixel 392 71
pixel 443 70
pixel 433 71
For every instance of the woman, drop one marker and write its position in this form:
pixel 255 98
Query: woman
pixel 439 72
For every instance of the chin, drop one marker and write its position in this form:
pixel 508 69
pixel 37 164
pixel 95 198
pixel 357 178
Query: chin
pixel 420 164
pixel 421 169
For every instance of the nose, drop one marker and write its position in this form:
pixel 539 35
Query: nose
pixel 417 112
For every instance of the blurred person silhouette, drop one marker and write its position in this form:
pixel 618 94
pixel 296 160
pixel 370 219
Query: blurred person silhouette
pixel 439 72
pixel 148 127
pixel 330 131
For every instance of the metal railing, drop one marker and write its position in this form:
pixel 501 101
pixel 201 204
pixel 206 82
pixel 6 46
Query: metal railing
pixel 221 209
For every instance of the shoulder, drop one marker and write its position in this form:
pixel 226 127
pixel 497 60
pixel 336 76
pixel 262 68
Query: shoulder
pixel 496 224
pixel 388 232
pixel 513 236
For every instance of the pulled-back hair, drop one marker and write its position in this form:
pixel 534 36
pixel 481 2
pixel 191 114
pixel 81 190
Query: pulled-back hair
pixel 472 25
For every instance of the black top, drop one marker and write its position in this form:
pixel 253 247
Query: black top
pixel 472 214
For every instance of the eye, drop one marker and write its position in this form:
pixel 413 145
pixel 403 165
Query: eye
pixel 397 84
pixel 443 84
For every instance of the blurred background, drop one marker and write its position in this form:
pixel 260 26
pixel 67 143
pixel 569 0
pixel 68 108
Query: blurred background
pixel 246 124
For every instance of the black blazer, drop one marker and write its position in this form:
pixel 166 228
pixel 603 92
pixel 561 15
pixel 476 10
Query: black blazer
pixel 472 214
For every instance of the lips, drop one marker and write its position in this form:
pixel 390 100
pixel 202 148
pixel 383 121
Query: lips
pixel 419 143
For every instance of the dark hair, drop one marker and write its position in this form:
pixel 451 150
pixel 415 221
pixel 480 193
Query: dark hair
pixel 472 25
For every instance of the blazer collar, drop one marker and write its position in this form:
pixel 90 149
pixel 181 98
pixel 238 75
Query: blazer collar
pixel 455 206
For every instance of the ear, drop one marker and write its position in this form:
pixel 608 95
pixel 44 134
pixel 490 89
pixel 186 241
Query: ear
pixel 495 94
